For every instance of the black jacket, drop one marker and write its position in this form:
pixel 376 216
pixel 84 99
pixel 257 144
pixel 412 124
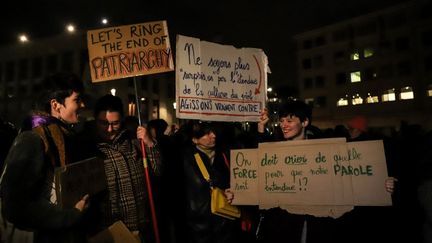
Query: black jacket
pixel 26 192
pixel 202 225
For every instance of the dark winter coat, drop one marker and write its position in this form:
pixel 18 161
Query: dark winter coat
pixel 202 225
pixel 27 191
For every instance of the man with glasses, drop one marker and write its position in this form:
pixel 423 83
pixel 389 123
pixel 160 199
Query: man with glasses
pixel 127 198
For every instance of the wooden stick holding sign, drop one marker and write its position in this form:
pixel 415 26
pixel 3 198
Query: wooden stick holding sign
pixel 130 51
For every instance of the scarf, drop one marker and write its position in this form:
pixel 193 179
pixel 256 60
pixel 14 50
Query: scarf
pixel 52 132
pixel 210 152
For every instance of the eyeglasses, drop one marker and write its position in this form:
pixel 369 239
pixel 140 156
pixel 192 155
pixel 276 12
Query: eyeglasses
pixel 106 124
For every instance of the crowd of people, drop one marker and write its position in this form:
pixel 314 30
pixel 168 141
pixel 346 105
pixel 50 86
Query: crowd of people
pixel 164 158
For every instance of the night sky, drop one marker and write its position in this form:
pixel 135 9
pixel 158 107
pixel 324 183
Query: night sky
pixel 268 25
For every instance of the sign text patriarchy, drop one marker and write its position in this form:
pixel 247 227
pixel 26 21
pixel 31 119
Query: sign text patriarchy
pixel 130 50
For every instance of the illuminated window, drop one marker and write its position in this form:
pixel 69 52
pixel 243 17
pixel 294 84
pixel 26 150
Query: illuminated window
pixel 389 95
pixel 372 99
pixel 309 101
pixel 355 56
pixel 342 102
pixel 357 100
pixel 368 52
pixel 407 93
pixel 355 77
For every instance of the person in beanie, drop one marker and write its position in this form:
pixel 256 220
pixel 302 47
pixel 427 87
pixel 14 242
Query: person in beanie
pixel 357 129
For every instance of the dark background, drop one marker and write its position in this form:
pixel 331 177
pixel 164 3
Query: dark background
pixel 268 25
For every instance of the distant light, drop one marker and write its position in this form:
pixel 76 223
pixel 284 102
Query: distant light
pixel 269 89
pixel 175 105
pixel 143 99
pixel 113 92
pixel 70 28
pixel 104 21
pixel 23 38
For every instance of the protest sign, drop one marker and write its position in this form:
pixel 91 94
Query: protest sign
pixel 327 172
pixel 218 82
pixel 129 50
pixel 368 167
pixel 244 177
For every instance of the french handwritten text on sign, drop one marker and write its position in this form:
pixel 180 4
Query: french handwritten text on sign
pixel 333 173
pixel 129 50
pixel 244 176
pixel 218 82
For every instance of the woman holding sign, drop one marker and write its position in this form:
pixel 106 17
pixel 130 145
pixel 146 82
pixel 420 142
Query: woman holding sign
pixel 126 198
pixel 279 225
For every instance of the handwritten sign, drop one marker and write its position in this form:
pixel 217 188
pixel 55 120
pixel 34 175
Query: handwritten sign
pixel 244 176
pixel 130 50
pixel 219 82
pixel 368 169
pixel 321 172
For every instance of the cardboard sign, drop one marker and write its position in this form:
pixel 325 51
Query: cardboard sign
pixel 218 82
pixel 129 50
pixel 367 160
pixel 115 233
pixel 244 176
pixel 78 179
pixel 324 172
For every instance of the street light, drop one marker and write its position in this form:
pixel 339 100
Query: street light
pixel 70 28
pixel 23 38
pixel 104 21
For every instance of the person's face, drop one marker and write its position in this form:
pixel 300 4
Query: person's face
pixel 292 128
pixel 69 111
pixel 208 141
pixel 108 124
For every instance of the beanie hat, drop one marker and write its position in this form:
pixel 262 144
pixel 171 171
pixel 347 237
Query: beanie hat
pixel 358 122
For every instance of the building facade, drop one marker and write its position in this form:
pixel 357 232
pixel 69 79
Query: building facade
pixel 378 65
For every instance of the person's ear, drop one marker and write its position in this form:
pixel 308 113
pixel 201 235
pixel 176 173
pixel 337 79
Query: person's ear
pixel 305 123
pixel 55 106
pixel 195 140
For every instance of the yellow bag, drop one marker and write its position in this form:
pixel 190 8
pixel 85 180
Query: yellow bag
pixel 220 205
